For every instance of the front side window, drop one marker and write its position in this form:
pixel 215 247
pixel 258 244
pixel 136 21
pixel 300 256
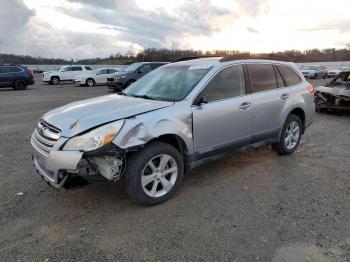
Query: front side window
pixel 171 83
pixel 145 69
pixel 103 72
pixel 262 77
pixel 88 68
pixel 227 83
pixel 67 69
pixel 290 76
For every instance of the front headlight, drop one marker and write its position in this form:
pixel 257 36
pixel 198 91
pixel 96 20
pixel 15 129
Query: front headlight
pixel 119 77
pixel 95 138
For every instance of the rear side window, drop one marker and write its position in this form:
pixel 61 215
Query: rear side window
pixel 262 77
pixel 290 76
pixel 280 82
pixel 10 69
pixel 228 83
pixel 77 68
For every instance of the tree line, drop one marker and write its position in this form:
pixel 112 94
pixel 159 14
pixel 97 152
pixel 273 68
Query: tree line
pixel 152 54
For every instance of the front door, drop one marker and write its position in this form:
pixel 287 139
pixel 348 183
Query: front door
pixel 222 121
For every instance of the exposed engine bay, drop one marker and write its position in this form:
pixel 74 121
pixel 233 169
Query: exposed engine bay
pixel 334 96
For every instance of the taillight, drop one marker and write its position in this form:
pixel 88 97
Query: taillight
pixel 30 73
pixel 311 89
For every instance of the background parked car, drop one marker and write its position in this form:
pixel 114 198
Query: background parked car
pixel 65 73
pixel 334 72
pixel 96 77
pixel 314 71
pixel 15 76
pixel 130 74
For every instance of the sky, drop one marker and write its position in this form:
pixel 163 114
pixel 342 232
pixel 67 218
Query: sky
pixel 75 29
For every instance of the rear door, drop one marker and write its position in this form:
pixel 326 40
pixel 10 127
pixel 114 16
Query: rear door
pixel 76 71
pixel 223 121
pixel 268 97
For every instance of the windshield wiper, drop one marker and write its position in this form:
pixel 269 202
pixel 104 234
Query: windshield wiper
pixel 142 96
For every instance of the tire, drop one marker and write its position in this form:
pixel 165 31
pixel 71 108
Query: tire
pixel 90 82
pixel 145 184
pixel 55 80
pixel 325 76
pixel 20 84
pixel 283 147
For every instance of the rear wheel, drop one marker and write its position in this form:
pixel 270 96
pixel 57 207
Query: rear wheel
pixel 90 82
pixel 154 173
pixel 20 85
pixel 290 136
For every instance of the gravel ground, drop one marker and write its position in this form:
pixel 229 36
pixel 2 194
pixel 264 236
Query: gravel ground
pixel 255 206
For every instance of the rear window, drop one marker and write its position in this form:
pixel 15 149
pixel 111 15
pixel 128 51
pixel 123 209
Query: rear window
pixel 262 77
pixel 290 76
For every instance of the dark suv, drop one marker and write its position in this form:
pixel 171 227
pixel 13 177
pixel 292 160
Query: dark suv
pixel 130 74
pixel 15 76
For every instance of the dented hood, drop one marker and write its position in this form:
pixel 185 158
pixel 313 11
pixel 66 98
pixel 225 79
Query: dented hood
pixel 80 116
pixel 340 90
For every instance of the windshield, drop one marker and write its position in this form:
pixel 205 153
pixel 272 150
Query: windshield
pixel 131 67
pixel 171 83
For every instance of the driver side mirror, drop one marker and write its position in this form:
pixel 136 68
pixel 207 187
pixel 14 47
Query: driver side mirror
pixel 201 100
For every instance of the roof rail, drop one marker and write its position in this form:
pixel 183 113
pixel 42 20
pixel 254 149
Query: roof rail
pixel 233 57
pixel 186 58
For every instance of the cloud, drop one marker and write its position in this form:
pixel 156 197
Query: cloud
pixel 90 28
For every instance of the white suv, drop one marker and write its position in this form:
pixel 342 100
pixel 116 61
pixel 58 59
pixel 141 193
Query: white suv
pixel 65 73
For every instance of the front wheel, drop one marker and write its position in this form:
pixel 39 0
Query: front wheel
pixel 290 136
pixel 153 173
pixel 90 82
pixel 55 80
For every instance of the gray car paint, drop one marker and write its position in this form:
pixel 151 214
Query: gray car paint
pixel 201 127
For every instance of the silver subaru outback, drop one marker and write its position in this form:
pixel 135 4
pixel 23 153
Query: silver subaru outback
pixel 175 118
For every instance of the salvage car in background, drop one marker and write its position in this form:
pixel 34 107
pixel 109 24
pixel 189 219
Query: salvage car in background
pixel 65 73
pixel 96 77
pixel 130 74
pixel 334 96
pixel 162 125
pixel 314 71
pixel 16 76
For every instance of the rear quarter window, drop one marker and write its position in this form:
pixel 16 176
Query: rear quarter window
pixel 291 78
pixel 262 77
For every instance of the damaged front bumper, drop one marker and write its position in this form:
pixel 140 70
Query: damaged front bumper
pixel 54 166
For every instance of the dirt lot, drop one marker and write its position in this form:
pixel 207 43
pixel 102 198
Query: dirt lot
pixel 255 206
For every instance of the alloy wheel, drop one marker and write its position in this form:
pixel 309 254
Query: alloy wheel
pixel 292 135
pixel 159 175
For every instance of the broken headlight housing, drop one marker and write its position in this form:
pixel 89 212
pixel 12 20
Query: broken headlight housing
pixel 95 138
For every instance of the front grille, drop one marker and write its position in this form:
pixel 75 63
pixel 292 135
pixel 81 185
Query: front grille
pixel 44 137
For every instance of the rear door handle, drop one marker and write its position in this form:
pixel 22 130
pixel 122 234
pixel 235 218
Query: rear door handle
pixel 245 106
pixel 284 96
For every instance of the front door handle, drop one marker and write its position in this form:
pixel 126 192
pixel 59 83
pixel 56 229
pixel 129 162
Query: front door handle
pixel 284 96
pixel 245 106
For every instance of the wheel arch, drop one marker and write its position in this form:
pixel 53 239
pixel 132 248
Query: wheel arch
pixel 177 142
pixel 298 111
